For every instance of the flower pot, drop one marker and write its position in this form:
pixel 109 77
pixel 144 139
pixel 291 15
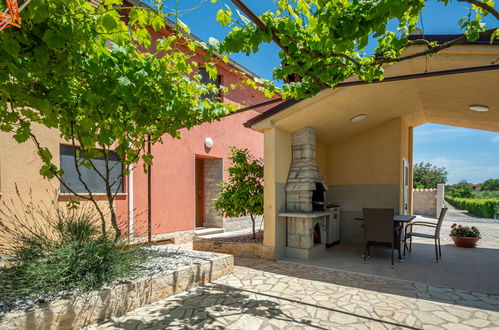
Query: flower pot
pixel 465 241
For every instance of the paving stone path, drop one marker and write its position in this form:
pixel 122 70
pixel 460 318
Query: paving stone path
pixel 489 228
pixel 268 295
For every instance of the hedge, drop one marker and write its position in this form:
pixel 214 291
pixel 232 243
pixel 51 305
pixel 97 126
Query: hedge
pixel 486 208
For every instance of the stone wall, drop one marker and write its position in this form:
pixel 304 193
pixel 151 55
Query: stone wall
pixel 86 309
pixel 242 250
pixel 178 237
pixel 425 202
pixel 239 223
pixel 213 177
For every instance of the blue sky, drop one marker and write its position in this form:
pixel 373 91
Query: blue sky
pixel 467 154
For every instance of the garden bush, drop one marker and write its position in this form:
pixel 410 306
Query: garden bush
pixel 60 248
pixel 487 208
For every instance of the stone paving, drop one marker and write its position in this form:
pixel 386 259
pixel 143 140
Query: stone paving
pixel 489 228
pixel 269 295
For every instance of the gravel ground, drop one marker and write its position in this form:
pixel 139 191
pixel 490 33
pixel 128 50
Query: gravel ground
pixel 236 237
pixel 162 259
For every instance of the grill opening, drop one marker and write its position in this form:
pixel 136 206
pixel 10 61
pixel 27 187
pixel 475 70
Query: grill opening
pixel 318 198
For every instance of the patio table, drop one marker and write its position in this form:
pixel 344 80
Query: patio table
pixel 401 220
pixel 397 218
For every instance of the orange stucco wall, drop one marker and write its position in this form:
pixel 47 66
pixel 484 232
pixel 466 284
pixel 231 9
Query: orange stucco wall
pixel 173 179
pixel 173 170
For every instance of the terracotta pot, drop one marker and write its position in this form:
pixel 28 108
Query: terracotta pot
pixel 465 241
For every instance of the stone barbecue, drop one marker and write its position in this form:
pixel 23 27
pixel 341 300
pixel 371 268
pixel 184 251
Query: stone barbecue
pixel 305 188
pixel 305 199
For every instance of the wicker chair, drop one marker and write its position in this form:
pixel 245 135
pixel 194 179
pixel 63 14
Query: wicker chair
pixel 379 229
pixel 436 236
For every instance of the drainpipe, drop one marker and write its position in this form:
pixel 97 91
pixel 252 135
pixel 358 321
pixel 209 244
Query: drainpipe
pixel 149 211
pixel 130 202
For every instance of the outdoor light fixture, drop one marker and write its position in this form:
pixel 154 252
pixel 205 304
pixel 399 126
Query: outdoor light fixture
pixel 358 118
pixel 208 142
pixel 479 108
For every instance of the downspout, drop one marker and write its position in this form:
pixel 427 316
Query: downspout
pixel 130 202
pixel 149 202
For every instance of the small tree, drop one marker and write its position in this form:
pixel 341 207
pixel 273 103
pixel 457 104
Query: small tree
pixel 96 76
pixel 242 194
pixel 427 175
pixel 490 185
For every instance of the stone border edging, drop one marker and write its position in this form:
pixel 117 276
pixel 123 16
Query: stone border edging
pixel 241 250
pixel 86 309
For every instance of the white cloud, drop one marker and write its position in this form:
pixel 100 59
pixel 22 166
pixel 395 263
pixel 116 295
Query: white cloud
pixel 473 173
pixel 430 134
pixel 495 139
pixel 463 169
pixel 447 162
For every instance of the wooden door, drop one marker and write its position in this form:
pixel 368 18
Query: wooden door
pixel 200 214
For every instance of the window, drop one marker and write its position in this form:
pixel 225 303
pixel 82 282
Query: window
pixel 205 79
pixel 94 182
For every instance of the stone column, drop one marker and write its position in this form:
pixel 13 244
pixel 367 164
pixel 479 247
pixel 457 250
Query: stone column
pixel 440 198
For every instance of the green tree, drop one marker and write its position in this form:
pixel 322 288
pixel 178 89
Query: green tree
pixel 427 175
pixel 323 42
pixel 490 185
pixel 95 75
pixel 462 190
pixel 242 194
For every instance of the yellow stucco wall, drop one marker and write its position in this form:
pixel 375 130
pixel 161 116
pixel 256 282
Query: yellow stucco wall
pixel 277 154
pixel 411 168
pixel 372 157
pixel 321 156
pixel 20 166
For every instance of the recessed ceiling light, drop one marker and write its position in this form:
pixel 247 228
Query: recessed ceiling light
pixel 479 108
pixel 358 118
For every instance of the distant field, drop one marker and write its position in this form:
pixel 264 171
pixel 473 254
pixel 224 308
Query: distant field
pixel 486 194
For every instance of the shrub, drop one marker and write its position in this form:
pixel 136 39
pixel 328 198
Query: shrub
pixel 490 185
pixel 487 208
pixel 58 249
pixel 462 189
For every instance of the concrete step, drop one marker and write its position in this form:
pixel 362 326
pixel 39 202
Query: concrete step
pixel 203 231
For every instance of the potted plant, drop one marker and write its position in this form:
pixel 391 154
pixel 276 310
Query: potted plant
pixel 464 236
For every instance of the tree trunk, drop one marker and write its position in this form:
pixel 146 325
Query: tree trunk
pixel 254 225
pixel 114 222
pixel 110 198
